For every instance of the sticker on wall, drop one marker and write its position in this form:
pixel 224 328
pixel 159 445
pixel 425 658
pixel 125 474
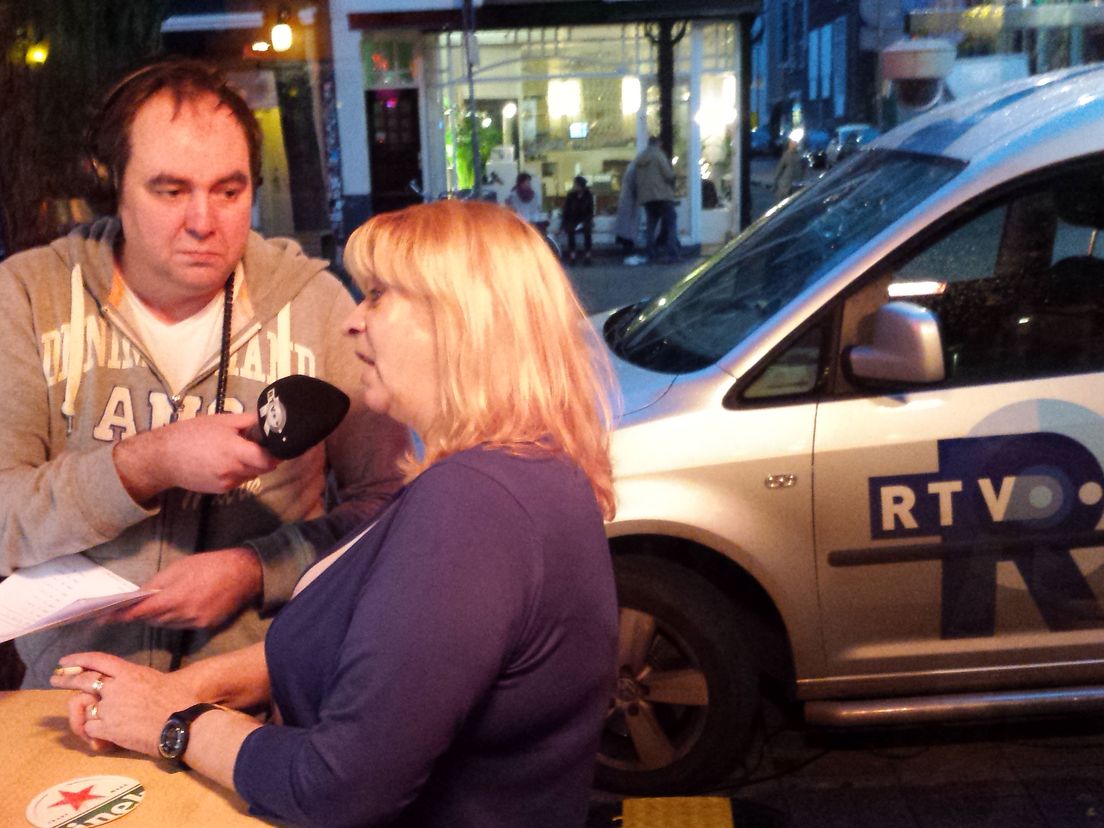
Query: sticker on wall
pixel 86 800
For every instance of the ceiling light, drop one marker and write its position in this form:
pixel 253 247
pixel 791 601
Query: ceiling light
pixel 281 32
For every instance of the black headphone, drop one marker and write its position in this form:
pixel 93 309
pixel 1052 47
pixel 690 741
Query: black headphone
pixel 105 180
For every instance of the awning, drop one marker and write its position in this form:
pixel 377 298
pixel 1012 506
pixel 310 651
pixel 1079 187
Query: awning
pixel 519 14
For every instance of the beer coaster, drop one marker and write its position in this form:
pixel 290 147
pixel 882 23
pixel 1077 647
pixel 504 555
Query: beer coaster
pixel 86 800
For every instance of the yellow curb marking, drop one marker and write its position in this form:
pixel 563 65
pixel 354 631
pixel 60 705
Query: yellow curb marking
pixel 677 812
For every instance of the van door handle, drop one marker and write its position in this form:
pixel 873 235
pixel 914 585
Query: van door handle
pixel 780 481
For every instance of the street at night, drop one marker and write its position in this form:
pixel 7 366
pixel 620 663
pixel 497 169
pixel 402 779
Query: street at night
pixel 1043 774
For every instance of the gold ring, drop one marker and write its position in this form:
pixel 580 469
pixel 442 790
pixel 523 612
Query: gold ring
pixel 97 686
pixel 91 711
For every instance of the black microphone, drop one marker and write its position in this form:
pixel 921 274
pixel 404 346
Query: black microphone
pixel 295 413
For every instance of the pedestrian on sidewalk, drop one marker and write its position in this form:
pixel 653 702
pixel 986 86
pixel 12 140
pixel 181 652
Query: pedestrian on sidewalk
pixel 655 189
pixel 626 229
pixel 788 166
pixel 578 214
pixel 524 200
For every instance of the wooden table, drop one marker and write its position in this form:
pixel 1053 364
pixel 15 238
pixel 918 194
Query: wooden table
pixel 40 752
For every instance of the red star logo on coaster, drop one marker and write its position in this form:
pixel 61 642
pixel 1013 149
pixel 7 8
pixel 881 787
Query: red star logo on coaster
pixel 75 799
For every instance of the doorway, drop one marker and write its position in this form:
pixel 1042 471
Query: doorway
pixel 394 132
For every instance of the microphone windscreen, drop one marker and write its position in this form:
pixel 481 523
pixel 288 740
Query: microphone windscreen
pixel 297 412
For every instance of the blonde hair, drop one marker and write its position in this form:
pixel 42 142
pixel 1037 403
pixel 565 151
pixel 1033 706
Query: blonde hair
pixel 520 366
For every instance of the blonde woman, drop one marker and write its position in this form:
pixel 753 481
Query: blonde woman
pixel 451 664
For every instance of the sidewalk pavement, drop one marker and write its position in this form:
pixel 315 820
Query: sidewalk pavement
pixel 608 283
pixel 1028 774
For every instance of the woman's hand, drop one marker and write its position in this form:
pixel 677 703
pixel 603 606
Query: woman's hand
pixel 78 715
pixel 119 703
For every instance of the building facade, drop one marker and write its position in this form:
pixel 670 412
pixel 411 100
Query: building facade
pixel 818 62
pixel 555 89
pixel 373 97
pixel 821 60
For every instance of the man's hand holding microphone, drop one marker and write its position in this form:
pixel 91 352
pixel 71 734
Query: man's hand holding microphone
pixel 213 455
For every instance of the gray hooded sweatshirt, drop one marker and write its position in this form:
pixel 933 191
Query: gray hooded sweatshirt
pixel 59 491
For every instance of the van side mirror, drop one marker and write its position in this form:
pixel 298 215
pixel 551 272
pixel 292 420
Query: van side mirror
pixel 906 348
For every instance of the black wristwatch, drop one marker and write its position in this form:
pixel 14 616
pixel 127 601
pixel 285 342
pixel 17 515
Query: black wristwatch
pixel 174 735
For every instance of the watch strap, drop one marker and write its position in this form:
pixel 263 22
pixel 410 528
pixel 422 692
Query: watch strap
pixel 190 714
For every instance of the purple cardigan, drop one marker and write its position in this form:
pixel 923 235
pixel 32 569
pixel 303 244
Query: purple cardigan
pixel 453 668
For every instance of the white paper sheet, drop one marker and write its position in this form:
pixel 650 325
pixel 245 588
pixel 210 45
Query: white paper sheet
pixel 60 591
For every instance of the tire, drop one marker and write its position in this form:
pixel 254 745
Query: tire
pixel 681 639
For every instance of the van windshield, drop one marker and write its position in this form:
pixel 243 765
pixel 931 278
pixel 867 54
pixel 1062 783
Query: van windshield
pixel 708 312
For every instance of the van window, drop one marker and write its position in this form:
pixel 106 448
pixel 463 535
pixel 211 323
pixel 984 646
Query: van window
pixel 966 255
pixel 794 372
pixel 1019 288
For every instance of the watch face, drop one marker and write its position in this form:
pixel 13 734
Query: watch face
pixel 174 739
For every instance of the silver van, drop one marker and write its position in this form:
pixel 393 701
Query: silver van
pixel 861 454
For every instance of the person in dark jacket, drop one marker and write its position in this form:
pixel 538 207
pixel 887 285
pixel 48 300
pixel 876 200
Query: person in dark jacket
pixel 578 214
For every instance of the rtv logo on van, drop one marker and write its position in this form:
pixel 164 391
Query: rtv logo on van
pixel 990 488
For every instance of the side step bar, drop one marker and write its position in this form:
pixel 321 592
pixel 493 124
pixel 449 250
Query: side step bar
pixel 954 707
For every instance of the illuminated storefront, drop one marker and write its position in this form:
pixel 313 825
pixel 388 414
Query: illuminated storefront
pixel 581 101
pixel 555 101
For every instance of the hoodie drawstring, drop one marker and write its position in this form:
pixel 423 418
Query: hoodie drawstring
pixel 74 349
pixel 283 341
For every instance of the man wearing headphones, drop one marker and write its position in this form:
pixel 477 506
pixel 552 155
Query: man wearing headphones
pixel 124 341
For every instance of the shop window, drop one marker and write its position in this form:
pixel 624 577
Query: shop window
pixel 387 62
pixel 564 91
pixel 574 95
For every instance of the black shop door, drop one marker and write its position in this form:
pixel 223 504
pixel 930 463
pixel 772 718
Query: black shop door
pixel 396 146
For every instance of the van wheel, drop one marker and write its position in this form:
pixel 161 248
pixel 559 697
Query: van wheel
pixel 687 683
